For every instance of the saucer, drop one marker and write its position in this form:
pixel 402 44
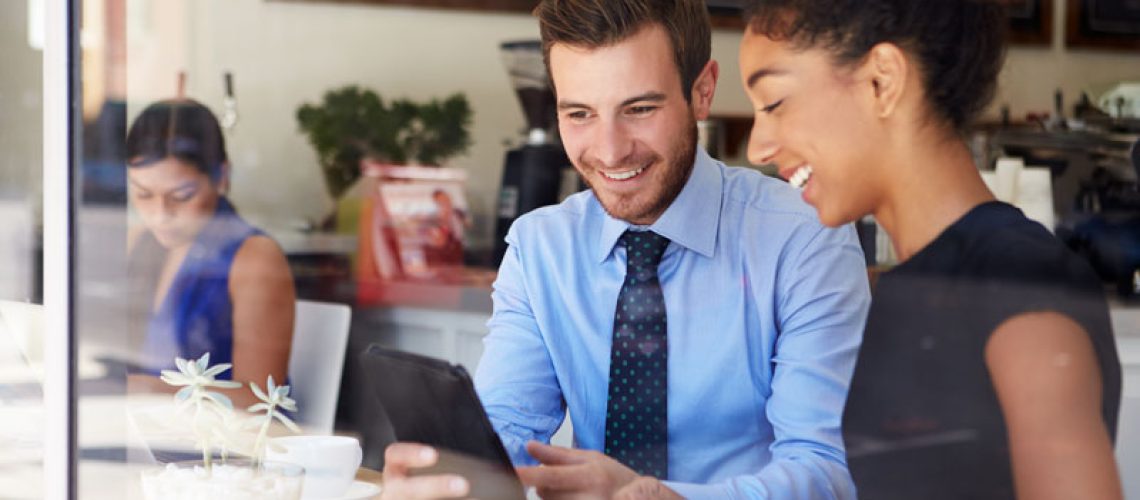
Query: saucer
pixel 359 490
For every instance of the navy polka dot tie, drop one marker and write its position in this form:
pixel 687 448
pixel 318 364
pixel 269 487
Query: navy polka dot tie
pixel 637 418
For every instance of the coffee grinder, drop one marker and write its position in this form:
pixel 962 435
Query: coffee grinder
pixel 534 172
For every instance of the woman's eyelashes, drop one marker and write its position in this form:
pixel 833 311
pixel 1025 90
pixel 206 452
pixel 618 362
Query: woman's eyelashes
pixel 184 196
pixel 178 196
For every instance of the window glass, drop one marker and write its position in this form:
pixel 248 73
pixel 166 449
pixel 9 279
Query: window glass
pixel 21 250
pixel 283 184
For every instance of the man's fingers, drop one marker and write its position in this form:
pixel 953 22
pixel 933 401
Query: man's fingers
pixel 558 477
pixel 646 488
pixel 399 457
pixel 556 455
pixel 567 495
pixel 426 487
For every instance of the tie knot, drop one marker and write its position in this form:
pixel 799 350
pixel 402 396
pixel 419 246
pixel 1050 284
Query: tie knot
pixel 643 249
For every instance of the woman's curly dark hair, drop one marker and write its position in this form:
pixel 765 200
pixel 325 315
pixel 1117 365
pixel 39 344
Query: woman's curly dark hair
pixel 959 45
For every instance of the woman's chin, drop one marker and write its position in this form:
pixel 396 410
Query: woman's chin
pixel 170 241
pixel 834 217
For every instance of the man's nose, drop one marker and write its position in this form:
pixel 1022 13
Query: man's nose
pixel 612 144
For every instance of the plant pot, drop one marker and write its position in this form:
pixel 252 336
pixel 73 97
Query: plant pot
pixel 232 480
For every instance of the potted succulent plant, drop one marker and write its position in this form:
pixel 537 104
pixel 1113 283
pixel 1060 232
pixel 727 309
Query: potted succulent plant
pixel 273 400
pixel 215 426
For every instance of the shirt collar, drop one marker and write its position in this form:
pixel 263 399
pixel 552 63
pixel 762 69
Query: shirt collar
pixel 692 220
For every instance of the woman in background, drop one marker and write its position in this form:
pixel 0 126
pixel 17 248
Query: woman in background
pixel 203 280
pixel 988 367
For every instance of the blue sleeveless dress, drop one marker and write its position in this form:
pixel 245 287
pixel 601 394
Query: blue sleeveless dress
pixel 196 316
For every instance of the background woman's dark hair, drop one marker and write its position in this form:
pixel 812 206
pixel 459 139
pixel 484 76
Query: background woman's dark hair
pixel 958 44
pixel 183 129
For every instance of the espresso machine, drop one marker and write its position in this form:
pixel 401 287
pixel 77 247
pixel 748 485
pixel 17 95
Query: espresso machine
pixel 1093 160
pixel 537 171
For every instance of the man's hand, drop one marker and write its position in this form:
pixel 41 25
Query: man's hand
pixel 567 473
pixel 646 488
pixel 399 458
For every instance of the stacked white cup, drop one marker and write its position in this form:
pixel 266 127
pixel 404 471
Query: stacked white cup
pixel 330 462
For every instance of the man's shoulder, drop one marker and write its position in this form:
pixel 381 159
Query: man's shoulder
pixel 768 217
pixel 759 202
pixel 560 219
pixel 759 195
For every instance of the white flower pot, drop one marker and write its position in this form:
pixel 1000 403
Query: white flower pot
pixel 232 480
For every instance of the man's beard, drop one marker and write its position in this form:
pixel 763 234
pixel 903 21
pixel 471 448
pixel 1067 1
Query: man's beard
pixel 678 168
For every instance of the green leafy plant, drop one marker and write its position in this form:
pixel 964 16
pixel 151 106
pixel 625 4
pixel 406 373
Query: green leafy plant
pixel 352 123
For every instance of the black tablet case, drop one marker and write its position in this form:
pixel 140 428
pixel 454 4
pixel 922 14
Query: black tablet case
pixel 433 402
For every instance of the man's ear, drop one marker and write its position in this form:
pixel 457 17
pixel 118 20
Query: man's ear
pixel 887 69
pixel 704 87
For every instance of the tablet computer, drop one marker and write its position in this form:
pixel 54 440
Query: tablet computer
pixel 433 402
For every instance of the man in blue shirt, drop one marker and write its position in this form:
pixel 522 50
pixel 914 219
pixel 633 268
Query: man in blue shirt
pixel 697 321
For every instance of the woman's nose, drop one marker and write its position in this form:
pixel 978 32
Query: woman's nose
pixel 167 209
pixel 762 147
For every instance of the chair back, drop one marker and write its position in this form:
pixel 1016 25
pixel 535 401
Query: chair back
pixel 320 337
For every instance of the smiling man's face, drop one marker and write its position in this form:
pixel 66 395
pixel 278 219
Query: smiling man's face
pixel 625 122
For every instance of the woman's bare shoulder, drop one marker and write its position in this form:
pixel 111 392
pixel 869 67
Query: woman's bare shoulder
pixel 259 257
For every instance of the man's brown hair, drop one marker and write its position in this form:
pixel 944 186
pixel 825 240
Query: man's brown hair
pixel 599 23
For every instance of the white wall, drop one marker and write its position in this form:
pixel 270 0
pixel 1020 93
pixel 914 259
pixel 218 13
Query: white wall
pixel 21 111
pixel 1033 73
pixel 21 150
pixel 284 54
pixel 287 53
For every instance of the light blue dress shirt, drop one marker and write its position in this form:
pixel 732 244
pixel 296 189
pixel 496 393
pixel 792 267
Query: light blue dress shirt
pixel 765 307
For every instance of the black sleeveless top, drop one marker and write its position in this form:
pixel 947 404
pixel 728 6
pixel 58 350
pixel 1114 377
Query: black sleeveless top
pixel 922 418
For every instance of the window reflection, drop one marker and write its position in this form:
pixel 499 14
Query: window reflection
pixel 203 280
pixel 170 198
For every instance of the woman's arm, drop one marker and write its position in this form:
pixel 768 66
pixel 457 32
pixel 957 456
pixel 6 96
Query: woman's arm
pixel 263 297
pixel 1048 383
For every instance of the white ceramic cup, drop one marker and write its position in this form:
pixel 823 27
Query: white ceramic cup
pixel 330 462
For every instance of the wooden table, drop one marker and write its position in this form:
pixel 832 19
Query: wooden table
pixel 370 476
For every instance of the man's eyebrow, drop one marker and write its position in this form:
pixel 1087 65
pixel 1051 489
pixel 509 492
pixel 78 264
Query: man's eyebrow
pixel 562 104
pixel 761 73
pixel 646 97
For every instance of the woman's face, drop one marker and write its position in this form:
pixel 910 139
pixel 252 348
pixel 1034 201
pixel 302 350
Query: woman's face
pixel 173 199
pixel 816 122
